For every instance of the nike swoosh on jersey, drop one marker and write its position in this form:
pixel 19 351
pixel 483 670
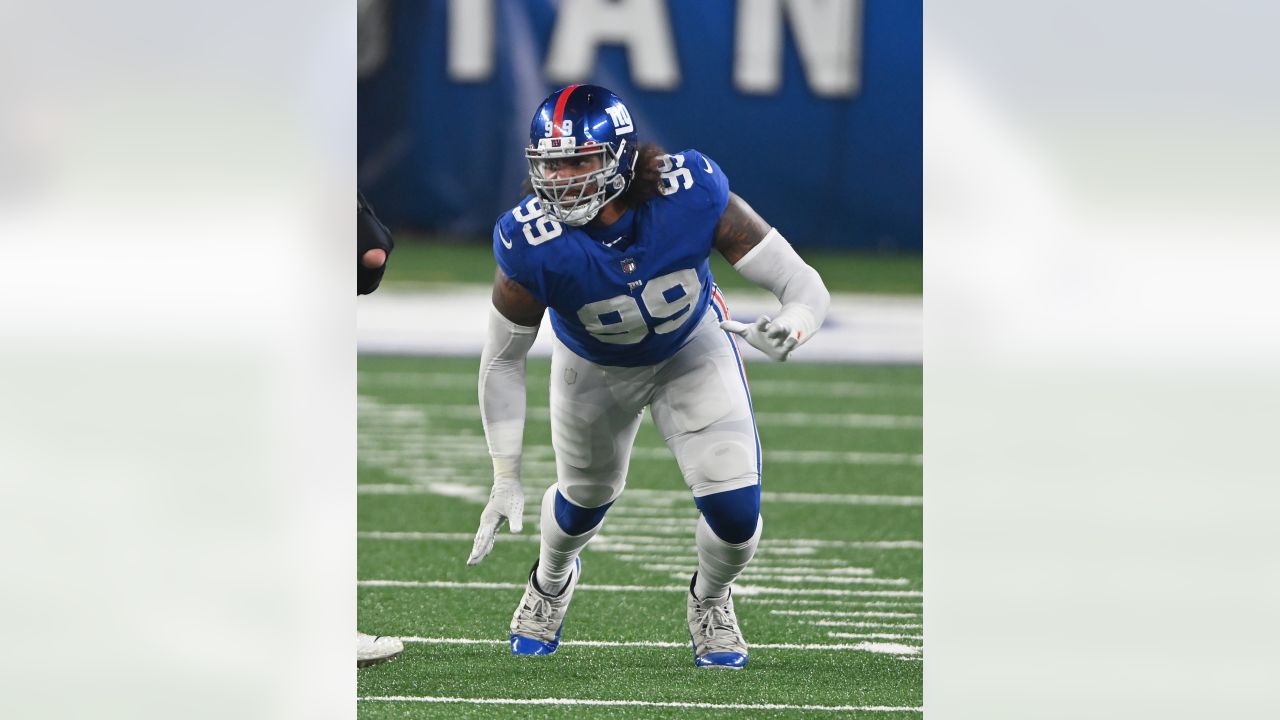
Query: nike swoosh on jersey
pixel 708 164
pixel 504 239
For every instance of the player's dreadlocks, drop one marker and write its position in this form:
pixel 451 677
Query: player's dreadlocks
pixel 647 182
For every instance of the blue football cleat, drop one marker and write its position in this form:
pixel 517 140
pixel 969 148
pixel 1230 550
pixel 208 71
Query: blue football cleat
pixel 713 630
pixel 539 618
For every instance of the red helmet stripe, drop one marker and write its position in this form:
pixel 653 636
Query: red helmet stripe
pixel 560 103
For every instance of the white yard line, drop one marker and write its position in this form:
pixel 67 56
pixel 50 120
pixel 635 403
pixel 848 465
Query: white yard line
pixel 846 613
pixel 874 636
pixel 863 625
pixel 762 563
pixel 791 542
pixel 688 548
pixel 825 579
pixel 756 569
pixel 682 644
pixel 633 703
pixel 744 590
pixel 837 602
pixel 684 549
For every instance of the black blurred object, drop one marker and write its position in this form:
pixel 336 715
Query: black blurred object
pixel 371 234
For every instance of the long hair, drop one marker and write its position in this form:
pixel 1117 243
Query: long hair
pixel 646 182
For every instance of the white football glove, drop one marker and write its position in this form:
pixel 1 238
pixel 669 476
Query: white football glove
pixel 775 338
pixel 506 502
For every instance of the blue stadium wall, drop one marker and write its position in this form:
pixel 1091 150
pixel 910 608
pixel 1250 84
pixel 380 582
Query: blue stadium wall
pixel 834 168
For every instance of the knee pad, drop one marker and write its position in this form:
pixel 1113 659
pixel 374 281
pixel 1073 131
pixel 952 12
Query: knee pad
pixel 576 520
pixel 732 515
pixel 589 492
pixel 716 460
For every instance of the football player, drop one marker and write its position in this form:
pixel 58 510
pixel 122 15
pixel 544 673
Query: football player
pixel 373 246
pixel 615 239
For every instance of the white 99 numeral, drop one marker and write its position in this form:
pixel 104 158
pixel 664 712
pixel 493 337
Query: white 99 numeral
pixel 682 287
pixel 674 177
pixel 618 320
pixel 546 227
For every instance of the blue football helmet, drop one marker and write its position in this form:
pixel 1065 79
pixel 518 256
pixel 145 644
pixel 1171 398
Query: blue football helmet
pixel 582 152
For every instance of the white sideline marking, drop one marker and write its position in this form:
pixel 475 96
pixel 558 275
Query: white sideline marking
pixel 847 613
pixel 633 703
pixel 739 590
pixel 874 636
pixel 863 625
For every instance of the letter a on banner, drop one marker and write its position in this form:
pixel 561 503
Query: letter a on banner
pixel 642 26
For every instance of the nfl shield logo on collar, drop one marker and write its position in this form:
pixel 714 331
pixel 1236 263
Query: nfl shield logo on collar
pixel 628 265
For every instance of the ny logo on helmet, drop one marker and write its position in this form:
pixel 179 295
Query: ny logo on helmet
pixel 621 119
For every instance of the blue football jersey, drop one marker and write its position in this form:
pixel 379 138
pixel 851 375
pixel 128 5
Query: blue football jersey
pixel 627 294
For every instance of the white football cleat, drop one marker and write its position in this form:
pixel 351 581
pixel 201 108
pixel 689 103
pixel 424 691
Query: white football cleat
pixel 371 650
pixel 539 618
pixel 713 628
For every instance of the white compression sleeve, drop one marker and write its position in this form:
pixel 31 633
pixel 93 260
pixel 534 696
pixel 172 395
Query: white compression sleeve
pixel 502 392
pixel 775 266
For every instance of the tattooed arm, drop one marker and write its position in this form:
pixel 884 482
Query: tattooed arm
pixel 515 302
pixel 739 230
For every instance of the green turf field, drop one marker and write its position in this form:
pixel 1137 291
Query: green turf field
pixel 418 262
pixel 831 605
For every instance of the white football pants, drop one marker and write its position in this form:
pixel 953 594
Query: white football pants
pixel 699 402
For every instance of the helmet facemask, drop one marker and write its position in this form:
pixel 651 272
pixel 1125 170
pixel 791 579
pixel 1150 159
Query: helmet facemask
pixel 576 200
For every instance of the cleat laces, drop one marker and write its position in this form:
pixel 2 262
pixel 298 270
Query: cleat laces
pixel 719 630
pixel 538 618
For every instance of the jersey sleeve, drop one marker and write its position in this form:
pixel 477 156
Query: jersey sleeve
pixel 709 182
pixel 511 252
